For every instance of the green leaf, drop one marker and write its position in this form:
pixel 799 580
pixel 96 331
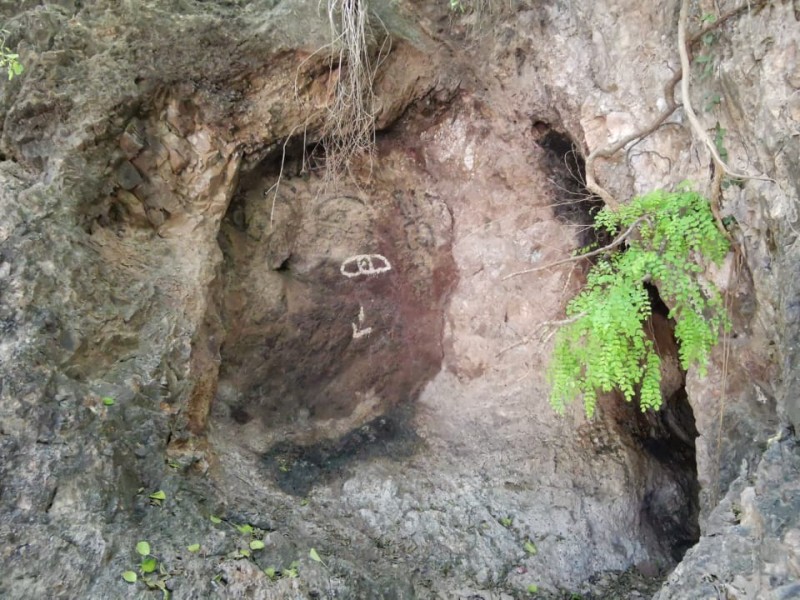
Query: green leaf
pixel 533 588
pixel 159 495
pixel 130 576
pixel 530 547
pixel 143 548
pixel 312 554
pixel 256 545
pixel 604 347
pixel 149 565
pixel 108 401
pixel 193 548
pixel 214 519
pixel 245 528
pixel 271 573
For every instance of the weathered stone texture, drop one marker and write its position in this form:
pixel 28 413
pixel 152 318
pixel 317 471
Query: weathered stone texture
pixel 168 239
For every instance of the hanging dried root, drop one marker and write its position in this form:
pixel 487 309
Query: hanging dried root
pixel 350 123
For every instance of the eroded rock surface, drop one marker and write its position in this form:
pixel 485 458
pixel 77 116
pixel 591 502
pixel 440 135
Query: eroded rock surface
pixel 357 365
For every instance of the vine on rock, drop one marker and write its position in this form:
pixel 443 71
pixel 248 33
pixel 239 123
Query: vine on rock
pixel 603 344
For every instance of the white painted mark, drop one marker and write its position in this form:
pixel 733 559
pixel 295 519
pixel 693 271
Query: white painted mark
pixel 365 264
pixel 357 332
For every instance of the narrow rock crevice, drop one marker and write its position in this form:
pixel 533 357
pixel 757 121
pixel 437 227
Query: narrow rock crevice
pixel 573 203
pixel 664 443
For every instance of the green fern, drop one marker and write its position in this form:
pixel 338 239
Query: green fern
pixel 604 346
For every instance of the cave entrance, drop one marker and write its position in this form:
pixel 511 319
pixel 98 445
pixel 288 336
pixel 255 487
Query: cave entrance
pixel 331 306
pixel 572 202
pixel 661 444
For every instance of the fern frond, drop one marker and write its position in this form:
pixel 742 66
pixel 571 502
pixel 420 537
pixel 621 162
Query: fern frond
pixel 606 348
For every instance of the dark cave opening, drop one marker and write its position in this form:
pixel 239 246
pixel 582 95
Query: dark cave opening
pixel 572 202
pixel 663 442
pixel 669 505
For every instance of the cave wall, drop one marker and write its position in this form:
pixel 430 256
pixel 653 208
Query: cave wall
pixel 547 76
pixel 748 394
pixel 142 260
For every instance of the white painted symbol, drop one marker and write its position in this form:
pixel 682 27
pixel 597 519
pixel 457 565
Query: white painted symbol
pixel 365 264
pixel 359 333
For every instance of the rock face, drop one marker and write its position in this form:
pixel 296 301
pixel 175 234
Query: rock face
pixel 190 304
pixel 751 548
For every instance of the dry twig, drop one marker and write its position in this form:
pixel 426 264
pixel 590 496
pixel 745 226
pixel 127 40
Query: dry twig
pixel 617 241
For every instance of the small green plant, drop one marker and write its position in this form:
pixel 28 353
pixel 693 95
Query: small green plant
pixel 108 401
pixel 506 521
pixel 154 575
pixel 707 62
pixel 252 542
pixel 603 346
pixel 245 528
pixel 130 576
pixel 292 571
pixel 709 38
pixel 712 101
pixel 314 555
pixel 533 589
pixel 8 59
pixel 156 498
pixel 719 141
pixel 719 144
pixel 530 547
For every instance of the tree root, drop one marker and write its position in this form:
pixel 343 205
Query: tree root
pixel 687 102
pixel 684 49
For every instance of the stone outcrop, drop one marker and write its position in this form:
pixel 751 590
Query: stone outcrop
pixel 357 364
